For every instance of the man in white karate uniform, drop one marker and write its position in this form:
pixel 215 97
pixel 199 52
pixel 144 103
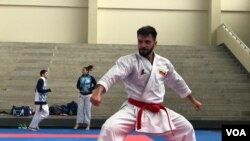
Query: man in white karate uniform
pixel 145 75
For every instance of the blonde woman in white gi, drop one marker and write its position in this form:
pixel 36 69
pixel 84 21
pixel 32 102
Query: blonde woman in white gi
pixel 86 84
pixel 145 75
pixel 41 95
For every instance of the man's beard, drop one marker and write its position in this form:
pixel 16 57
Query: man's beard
pixel 144 52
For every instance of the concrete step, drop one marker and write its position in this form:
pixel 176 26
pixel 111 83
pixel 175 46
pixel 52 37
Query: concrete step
pixel 213 74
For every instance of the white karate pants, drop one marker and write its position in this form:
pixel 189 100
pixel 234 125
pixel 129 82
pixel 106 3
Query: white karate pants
pixel 39 115
pixel 118 126
pixel 84 109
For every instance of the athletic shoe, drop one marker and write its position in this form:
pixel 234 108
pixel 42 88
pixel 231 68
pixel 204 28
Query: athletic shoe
pixel 20 126
pixel 88 127
pixel 76 126
pixel 24 126
pixel 32 129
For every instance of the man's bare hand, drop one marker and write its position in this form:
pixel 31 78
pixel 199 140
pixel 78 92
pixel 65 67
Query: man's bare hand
pixel 96 98
pixel 196 104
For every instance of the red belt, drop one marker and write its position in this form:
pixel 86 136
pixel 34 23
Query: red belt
pixel 149 106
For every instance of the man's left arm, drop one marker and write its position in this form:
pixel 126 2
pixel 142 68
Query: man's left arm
pixel 177 83
pixel 196 104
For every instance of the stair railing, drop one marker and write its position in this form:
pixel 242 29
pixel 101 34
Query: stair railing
pixel 240 50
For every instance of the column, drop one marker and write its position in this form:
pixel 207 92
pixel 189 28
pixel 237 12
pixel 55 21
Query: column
pixel 92 21
pixel 214 15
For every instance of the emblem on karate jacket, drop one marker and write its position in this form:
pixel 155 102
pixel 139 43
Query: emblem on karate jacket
pixel 163 71
pixel 142 72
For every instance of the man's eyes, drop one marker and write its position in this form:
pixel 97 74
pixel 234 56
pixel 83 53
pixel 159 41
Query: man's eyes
pixel 146 42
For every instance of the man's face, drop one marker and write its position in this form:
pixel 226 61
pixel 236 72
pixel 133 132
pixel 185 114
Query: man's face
pixel 45 75
pixel 146 44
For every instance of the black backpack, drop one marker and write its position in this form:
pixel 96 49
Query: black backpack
pixel 65 109
pixel 55 109
pixel 21 111
pixel 72 106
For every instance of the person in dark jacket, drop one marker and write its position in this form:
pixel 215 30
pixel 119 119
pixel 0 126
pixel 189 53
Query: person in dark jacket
pixel 85 84
pixel 41 95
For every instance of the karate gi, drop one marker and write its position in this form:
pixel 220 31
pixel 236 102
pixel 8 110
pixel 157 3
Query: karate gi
pixel 145 82
pixel 42 108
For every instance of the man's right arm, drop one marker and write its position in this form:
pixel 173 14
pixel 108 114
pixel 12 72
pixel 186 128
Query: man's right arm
pixel 119 71
pixel 39 87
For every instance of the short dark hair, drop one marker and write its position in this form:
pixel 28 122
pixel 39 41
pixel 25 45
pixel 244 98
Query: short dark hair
pixel 147 30
pixel 43 72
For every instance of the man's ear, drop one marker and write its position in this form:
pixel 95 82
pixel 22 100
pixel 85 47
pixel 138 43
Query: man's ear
pixel 155 43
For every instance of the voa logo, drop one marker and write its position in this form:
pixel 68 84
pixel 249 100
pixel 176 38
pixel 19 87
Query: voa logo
pixel 236 132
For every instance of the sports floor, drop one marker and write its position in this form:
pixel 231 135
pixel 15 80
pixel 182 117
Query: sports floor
pixel 11 134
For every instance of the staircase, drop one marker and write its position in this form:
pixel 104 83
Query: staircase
pixel 216 78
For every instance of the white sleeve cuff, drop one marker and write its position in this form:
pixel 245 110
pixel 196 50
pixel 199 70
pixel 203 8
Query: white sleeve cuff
pixel 104 85
pixel 184 95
